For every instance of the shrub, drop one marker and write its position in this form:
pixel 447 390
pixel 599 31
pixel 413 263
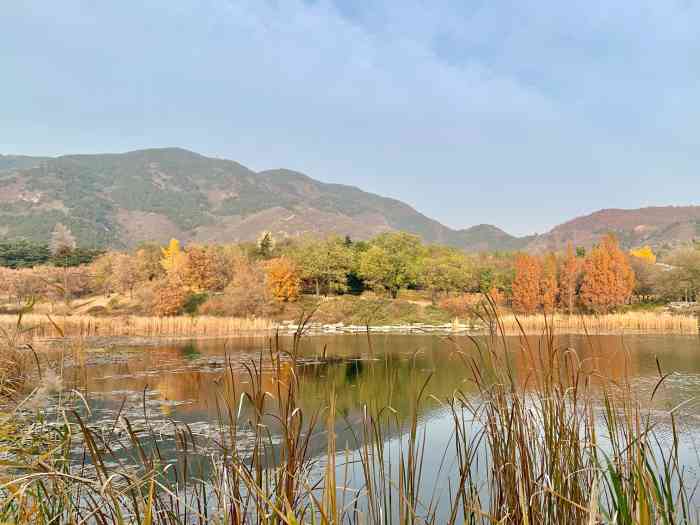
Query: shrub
pixel 193 302
pixel 460 305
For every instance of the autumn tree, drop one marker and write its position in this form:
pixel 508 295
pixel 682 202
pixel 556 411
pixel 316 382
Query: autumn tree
pixel 323 263
pixel 644 253
pixel 204 268
pixel 25 283
pixel 549 287
pixel 392 262
pixel 124 273
pixel 247 293
pixel 101 269
pixel 175 262
pixel 171 255
pixel 148 262
pixel 444 270
pixel 608 278
pixel 568 279
pixel 681 279
pixel 283 279
pixel 491 270
pixel 527 283
pixel 168 297
pixel 648 278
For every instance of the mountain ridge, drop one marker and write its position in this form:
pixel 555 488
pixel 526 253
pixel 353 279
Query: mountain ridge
pixel 119 199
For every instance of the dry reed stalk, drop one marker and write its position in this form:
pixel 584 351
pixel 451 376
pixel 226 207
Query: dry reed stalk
pixel 182 326
pixel 607 323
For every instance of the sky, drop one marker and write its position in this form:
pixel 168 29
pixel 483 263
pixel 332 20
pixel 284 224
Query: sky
pixel 518 114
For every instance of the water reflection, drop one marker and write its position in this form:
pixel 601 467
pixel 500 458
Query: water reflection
pixel 187 382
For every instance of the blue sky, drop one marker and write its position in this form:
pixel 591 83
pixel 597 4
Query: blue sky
pixel 519 114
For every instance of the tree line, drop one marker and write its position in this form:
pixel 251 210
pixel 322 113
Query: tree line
pixel 253 278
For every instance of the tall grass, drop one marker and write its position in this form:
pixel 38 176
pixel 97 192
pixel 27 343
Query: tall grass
pixel 127 326
pixel 17 359
pixel 208 326
pixel 563 445
pixel 649 322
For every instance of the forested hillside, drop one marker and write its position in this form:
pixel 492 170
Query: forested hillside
pixel 121 199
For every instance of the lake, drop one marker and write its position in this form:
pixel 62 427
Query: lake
pixel 166 387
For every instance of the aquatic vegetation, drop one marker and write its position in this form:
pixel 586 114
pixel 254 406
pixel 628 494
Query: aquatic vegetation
pixel 176 326
pixel 562 443
pixel 607 323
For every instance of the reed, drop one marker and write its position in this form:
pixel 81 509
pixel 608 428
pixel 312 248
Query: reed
pixel 629 322
pixel 136 326
pixel 563 445
pixel 17 360
pixel 43 326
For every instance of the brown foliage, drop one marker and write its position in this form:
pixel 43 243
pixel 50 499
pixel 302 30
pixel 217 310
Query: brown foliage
pixel 205 270
pixel 608 279
pixel 549 287
pixel 245 296
pixel 168 297
pixel 125 274
pixel 526 285
pixel 568 279
pixel 460 305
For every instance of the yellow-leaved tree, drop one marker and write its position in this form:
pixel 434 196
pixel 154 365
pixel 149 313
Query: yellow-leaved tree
pixel 176 264
pixel 645 253
pixel 283 279
pixel 170 255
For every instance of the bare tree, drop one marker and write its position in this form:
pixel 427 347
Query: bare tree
pixel 62 240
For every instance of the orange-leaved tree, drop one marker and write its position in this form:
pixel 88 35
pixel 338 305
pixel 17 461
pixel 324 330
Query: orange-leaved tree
pixel 608 278
pixel 549 288
pixel 526 284
pixel 283 279
pixel 205 269
pixel 568 279
pixel 168 297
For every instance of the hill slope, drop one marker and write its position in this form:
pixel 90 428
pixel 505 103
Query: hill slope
pixel 120 199
pixel 656 226
pixel 156 194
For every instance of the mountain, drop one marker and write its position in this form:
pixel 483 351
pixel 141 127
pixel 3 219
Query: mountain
pixel 120 199
pixel 156 194
pixel 661 226
pixel 8 162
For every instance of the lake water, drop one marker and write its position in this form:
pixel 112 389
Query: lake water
pixel 185 383
pixel 184 380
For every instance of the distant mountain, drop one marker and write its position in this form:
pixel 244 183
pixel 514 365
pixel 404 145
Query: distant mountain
pixel 8 162
pixel 662 226
pixel 121 199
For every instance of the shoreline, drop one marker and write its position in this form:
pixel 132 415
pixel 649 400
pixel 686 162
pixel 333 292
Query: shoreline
pixel 151 331
pixel 98 343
